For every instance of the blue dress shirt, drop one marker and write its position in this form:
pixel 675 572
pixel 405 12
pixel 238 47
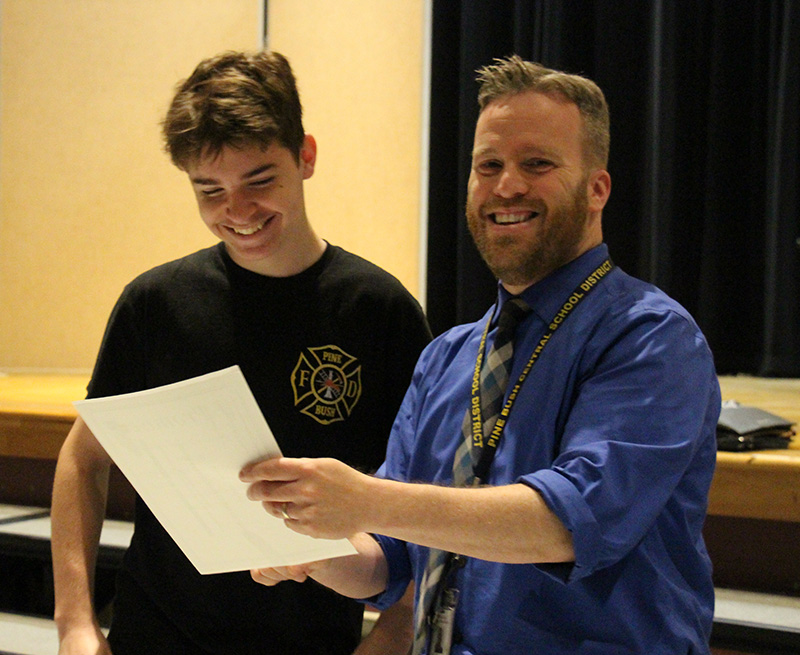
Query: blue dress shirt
pixel 615 428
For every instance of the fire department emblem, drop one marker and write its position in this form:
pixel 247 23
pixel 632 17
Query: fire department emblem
pixel 326 383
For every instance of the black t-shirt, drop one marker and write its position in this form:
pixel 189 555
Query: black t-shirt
pixel 328 355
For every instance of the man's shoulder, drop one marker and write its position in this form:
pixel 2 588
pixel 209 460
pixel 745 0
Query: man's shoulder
pixel 630 294
pixel 628 306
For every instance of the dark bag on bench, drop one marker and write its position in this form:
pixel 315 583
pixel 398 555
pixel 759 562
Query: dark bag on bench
pixel 742 427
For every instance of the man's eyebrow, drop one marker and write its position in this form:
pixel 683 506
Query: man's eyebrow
pixel 537 151
pixel 208 181
pixel 483 151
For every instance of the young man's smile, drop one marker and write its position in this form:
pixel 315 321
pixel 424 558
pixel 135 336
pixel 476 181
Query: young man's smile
pixel 252 199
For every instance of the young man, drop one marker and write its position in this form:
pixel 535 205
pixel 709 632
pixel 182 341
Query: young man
pixel 326 340
pixel 581 529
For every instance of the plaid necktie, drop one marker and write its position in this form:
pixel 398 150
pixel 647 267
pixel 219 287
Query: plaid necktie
pixel 493 382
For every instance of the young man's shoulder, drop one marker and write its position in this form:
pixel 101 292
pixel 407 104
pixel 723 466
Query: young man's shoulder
pixel 195 265
pixel 345 266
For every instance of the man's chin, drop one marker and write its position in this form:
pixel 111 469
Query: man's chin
pixel 511 267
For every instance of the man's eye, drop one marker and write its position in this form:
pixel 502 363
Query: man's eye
pixel 210 193
pixel 538 164
pixel 490 166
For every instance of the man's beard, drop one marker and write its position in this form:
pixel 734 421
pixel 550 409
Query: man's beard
pixel 521 262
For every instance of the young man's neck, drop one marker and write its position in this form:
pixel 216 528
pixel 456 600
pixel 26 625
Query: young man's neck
pixel 288 262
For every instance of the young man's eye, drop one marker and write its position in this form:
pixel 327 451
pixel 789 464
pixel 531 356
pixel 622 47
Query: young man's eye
pixel 263 182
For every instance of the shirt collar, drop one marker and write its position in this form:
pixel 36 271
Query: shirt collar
pixel 546 297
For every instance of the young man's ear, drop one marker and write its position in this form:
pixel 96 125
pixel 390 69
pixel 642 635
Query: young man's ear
pixel 308 156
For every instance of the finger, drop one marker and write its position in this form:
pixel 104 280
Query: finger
pixel 275 492
pixel 283 509
pixel 277 469
pixel 264 491
pixel 263 576
pixel 274 509
pixel 272 576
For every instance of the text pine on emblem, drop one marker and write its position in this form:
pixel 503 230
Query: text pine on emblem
pixel 326 383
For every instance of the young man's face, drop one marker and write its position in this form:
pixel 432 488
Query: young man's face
pixel 252 199
pixel 532 204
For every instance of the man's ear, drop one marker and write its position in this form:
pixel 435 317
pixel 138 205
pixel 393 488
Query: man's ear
pixel 308 156
pixel 598 189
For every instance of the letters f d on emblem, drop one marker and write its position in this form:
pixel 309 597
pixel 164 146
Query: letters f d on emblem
pixel 326 383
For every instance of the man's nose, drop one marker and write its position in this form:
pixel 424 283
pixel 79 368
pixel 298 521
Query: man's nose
pixel 511 183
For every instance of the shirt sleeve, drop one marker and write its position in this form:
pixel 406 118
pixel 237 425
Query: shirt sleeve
pixel 645 411
pixel 119 367
pixel 396 553
pixel 395 467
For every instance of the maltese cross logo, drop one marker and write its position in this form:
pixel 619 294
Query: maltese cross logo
pixel 326 383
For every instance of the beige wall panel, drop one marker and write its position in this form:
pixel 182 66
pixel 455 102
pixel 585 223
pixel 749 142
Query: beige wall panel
pixel 359 69
pixel 87 197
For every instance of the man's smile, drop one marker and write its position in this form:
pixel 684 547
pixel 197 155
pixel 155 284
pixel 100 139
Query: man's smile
pixel 512 218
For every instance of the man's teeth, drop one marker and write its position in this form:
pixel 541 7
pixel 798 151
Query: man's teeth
pixel 510 219
pixel 246 231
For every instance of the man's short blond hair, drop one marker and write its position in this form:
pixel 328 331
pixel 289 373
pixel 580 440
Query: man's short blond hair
pixel 514 75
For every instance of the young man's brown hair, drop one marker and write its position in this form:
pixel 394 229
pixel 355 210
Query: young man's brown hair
pixel 234 99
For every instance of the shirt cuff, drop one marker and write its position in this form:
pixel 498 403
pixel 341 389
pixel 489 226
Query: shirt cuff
pixel 399 564
pixel 569 506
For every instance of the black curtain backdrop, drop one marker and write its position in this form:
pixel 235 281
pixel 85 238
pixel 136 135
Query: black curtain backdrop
pixel 705 159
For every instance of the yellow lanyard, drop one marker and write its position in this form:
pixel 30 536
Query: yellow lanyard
pixel 488 449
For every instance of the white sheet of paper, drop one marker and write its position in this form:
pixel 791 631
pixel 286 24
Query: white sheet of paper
pixel 182 446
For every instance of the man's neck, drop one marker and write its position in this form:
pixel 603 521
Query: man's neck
pixel 517 289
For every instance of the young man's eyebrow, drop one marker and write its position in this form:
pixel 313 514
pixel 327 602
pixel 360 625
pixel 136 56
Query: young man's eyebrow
pixel 258 170
pixel 204 181
pixel 207 181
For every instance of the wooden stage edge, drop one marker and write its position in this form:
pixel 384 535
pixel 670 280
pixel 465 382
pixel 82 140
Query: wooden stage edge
pixel 753 505
pixel 761 484
pixel 46 401
pixel 36 412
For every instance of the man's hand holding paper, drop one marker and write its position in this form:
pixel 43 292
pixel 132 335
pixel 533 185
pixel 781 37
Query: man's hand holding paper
pixel 321 498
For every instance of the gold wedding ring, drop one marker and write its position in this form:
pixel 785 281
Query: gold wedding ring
pixel 285 513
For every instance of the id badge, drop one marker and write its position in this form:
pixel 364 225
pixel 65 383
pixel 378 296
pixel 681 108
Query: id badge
pixel 443 623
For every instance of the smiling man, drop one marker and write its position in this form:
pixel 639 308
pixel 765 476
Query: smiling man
pixel 535 197
pixel 326 340
pixel 545 485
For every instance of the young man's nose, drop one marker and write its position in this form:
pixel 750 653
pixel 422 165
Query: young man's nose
pixel 239 206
